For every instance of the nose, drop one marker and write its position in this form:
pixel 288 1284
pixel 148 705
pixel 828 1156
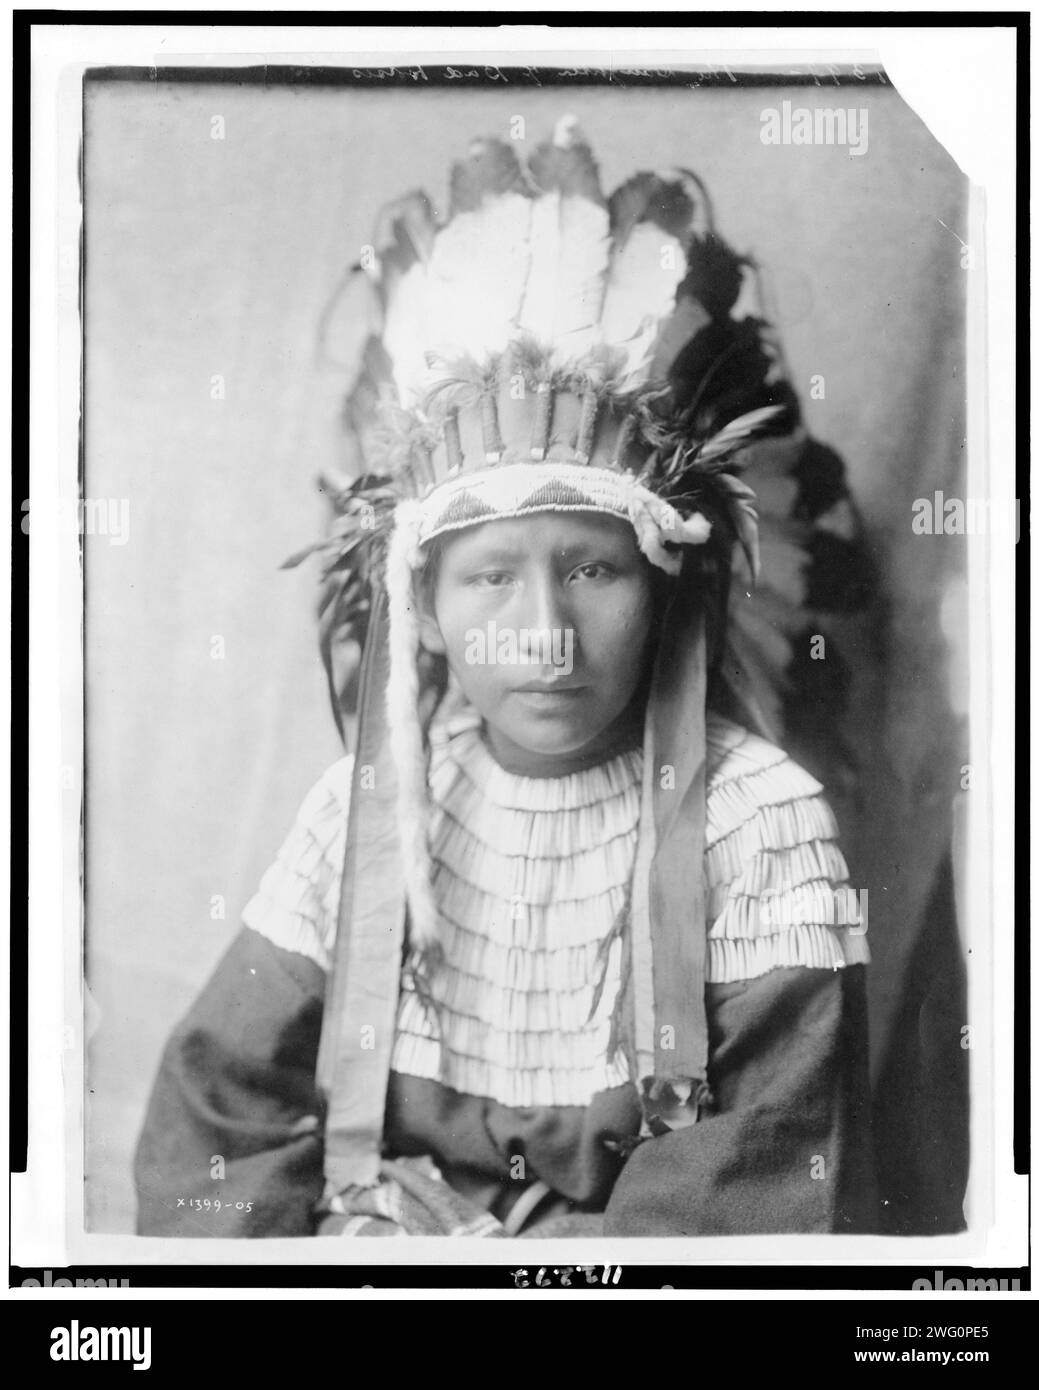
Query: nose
pixel 545 609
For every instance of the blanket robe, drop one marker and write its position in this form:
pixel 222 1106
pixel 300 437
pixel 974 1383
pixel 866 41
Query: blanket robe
pixel 785 1147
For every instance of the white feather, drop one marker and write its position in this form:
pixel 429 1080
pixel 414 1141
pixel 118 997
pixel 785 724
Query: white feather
pixel 476 278
pixel 403 333
pixel 569 242
pixel 640 293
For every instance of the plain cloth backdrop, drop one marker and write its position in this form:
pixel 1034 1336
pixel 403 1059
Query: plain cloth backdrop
pixel 209 262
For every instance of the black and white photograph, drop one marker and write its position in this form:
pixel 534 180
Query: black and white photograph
pixel 534 520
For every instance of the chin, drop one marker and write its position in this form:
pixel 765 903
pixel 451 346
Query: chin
pixel 550 736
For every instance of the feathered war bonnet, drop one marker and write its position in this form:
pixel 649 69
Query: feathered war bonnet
pixel 544 349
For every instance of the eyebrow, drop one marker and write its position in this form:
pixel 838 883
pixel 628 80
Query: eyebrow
pixel 496 554
pixel 504 553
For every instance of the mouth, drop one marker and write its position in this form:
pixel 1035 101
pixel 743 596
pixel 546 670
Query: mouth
pixel 549 687
pixel 549 697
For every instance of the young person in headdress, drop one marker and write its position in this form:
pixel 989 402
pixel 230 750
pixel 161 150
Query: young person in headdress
pixel 566 945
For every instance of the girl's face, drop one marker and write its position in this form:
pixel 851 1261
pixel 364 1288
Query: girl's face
pixel 545 622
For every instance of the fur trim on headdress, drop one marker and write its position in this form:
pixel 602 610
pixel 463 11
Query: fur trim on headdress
pixel 659 528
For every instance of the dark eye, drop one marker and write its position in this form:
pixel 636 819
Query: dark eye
pixel 595 569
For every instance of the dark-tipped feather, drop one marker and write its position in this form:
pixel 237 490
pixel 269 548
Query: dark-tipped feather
pixel 567 168
pixel 404 232
pixel 650 197
pixel 490 168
